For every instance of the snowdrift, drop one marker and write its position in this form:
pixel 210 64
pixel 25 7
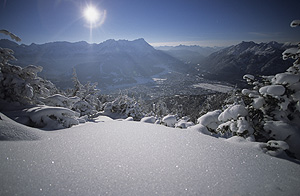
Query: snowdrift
pixel 11 130
pixel 109 157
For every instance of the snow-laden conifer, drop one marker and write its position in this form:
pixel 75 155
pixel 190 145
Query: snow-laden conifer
pixel 269 112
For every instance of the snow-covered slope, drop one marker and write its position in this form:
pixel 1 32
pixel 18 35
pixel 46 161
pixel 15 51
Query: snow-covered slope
pixel 109 157
pixel 13 131
pixel 232 63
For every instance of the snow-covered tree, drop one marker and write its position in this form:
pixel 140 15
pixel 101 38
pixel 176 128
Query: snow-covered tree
pixel 169 120
pixel 160 108
pixel 235 121
pixel 184 123
pixel 21 84
pixel 149 119
pixel 59 100
pixel 269 112
pixel 47 117
pixel 125 106
pixel 88 94
pixel 78 87
pixel 12 36
pixel 275 104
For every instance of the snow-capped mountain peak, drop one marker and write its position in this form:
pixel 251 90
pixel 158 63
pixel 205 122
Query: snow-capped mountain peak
pixel 252 47
pixel 232 63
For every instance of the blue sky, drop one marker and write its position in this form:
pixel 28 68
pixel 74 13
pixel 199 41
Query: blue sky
pixel 159 22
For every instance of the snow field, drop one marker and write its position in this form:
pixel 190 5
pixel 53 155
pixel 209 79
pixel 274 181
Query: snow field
pixel 109 157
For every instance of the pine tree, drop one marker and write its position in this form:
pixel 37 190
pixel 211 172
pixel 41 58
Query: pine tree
pixel 21 84
pixel 269 112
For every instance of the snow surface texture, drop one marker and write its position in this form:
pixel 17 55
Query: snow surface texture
pixel 108 157
pixel 11 130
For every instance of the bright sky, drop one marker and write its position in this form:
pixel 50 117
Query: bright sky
pixel 159 22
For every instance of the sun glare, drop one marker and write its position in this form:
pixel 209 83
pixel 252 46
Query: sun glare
pixel 94 18
pixel 91 14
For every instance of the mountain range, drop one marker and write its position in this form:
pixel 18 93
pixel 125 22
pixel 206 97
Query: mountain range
pixel 108 63
pixel 230 64
pixel 122 62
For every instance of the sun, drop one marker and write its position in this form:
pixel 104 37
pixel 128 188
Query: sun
pixel 91 14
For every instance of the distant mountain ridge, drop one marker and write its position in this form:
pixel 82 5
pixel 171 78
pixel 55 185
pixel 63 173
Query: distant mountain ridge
pixel 230 64
pixel 108 63
pixel 113 63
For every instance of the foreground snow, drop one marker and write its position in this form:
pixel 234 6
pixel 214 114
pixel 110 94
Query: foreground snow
pixel 109 157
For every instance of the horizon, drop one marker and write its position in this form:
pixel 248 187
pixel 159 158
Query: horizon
pixel 171 44
pixel 161 23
